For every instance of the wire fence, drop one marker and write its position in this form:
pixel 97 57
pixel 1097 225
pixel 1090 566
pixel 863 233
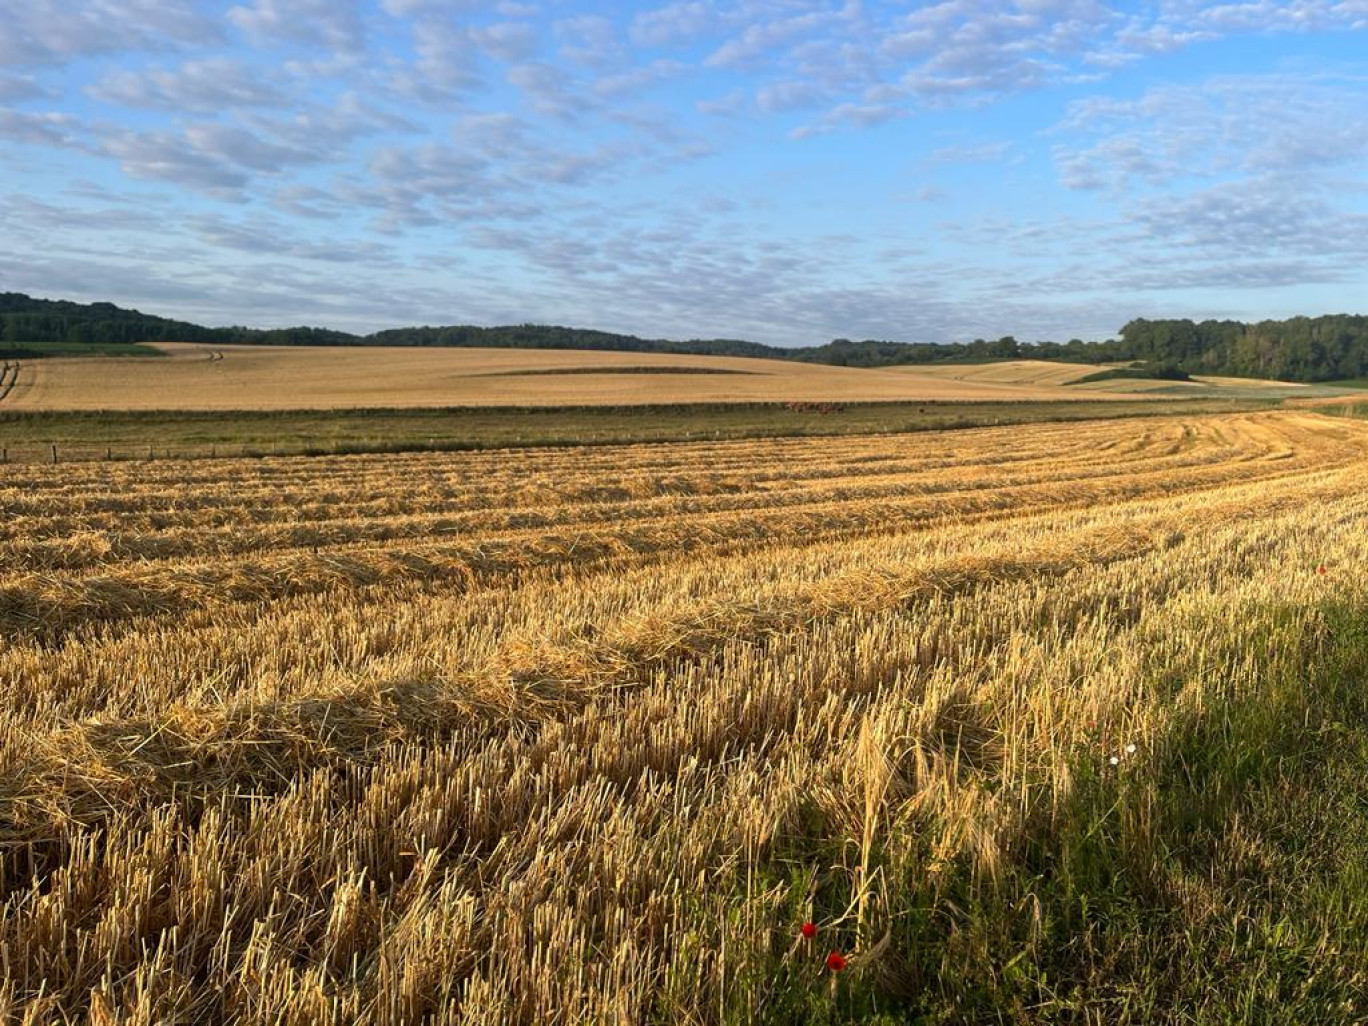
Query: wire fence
pixel 55 453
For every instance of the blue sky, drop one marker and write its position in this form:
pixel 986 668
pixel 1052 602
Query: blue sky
pixel 787 171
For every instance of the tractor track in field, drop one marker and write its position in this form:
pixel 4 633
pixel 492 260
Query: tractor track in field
pixel 9 377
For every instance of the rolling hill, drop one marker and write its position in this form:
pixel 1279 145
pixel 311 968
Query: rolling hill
pixel 1300 349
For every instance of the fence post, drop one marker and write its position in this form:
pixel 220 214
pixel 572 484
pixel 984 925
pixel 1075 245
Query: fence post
pixel 54 453
pixel 149 452
pixel 109 453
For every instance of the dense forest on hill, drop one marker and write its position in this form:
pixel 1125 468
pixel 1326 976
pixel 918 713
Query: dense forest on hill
pixel 1300 349
pixel 540 336
pixel 25 320
pixel 1329 348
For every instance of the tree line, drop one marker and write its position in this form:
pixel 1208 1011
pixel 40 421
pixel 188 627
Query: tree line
pixel 25 320
pixel 1329 348
pixel 1299 349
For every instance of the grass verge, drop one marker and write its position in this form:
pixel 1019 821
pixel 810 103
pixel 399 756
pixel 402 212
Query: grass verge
pixel 1219 878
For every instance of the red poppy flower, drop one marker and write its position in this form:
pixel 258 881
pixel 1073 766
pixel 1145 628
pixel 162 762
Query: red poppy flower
pixel 809 930
pixel 835 962
pixel 1320 569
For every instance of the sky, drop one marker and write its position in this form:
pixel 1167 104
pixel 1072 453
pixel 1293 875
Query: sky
pixel 785 171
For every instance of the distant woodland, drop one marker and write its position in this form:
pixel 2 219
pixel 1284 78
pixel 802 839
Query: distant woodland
pixel 1325 348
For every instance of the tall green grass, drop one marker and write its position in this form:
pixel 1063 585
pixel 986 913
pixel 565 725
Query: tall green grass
pixel 1219 877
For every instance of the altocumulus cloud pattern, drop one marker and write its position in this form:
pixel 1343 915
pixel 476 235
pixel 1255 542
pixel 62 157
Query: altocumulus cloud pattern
pixel 781 170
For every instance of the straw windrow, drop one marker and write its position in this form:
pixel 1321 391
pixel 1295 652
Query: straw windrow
pixel 598 768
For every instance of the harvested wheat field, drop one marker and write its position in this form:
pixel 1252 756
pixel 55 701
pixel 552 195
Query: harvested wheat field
pixel 313 377
pixel 1068 378
pixel 1007 372
pixel 1030 725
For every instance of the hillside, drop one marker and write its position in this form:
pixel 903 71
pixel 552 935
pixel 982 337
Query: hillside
pixel 196 377
pixel 1328 348
pixel 29 322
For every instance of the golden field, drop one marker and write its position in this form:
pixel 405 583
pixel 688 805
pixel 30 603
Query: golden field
pixel 196 377
pixel 1056 374
pixel 1007 372
pixel 274 378
pixel 585 735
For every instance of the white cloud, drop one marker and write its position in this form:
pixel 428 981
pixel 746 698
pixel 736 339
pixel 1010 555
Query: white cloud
pixel 982 153
pixel 1261 217
pixel 781 97
pixel 55 32
pixel 507 40
pixel 549 89
pixel 592 40
pixel 16 88
pixel 333 24
pixel 846 115
pixel 221 157
pixel 761 41
pixel 259 236
pixel 639 79
pixel 211 84
pixel 168 157
pixel 1240 124
pixel 448 59
pixel 672 25
pixel 46 129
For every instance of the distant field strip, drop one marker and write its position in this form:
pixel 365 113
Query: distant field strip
pixel 1058 375
pixel 661 369
pixel 277 378
pixel 179 538
pixel 582 735
pixel 1007 372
